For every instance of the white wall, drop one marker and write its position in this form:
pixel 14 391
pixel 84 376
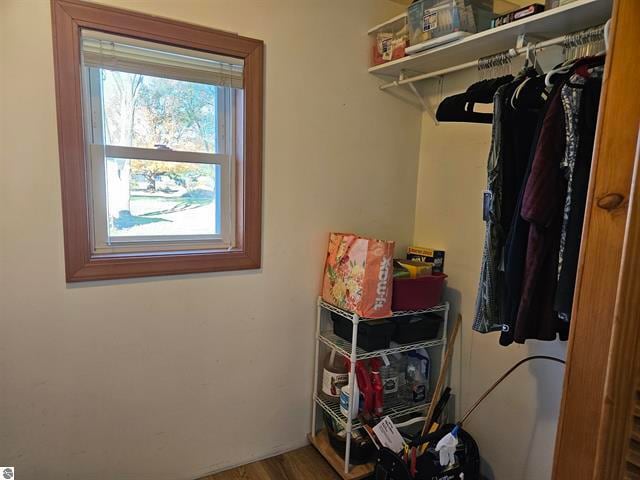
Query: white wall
pixel 170 378
pixel 515 426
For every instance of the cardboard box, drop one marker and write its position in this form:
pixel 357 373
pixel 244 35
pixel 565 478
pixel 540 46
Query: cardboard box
pixel 427 255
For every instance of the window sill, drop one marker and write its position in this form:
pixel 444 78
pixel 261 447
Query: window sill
pixel 133 265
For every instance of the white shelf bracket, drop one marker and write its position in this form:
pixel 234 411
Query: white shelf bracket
pixel 426 107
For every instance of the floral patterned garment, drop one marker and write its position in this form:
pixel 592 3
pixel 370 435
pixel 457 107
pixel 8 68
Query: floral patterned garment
pixel 570 96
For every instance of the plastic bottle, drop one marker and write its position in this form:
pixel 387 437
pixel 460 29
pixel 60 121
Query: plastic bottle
pixel 417 376
pixel 365 386
pixel 344 398
pixel 392 372
pixel 335 375
pixel 378 388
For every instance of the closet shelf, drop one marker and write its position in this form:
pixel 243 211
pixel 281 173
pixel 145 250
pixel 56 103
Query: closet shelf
pixel 343 347
pixel 395 409
pixel 575 16
pixel 346 314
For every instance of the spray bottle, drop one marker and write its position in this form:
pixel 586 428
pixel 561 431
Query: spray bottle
pixel 378 388
pixel 365 386
pixel 418 367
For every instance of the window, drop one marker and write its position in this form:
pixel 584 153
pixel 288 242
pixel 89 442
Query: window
pixel 160 127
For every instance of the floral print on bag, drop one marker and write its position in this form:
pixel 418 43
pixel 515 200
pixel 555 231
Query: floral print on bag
pixel 358 275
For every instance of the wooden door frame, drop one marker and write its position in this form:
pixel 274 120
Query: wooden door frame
pixel 590 423
pixel 620 404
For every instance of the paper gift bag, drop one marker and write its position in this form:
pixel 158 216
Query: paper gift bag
pixel 358 275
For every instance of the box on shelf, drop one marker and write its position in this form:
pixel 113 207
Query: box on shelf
pixel 417 293
pixel 430 19
pixel 557 3
pixel 427 255
pixel 517 14
pixel 358 275
pixel 372 335
pixel 389 41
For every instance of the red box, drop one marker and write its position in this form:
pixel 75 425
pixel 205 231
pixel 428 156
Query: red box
pixel 417 293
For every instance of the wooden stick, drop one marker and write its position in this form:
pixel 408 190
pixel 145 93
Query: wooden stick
pixel 443 373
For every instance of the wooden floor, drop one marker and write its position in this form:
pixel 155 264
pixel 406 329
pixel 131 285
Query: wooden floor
pixel 302 464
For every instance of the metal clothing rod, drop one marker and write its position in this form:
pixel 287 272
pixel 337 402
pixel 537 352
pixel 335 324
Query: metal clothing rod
pixel 514 52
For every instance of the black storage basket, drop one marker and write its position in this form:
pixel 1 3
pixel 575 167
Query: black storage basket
pixel 389 466
pixel 372 334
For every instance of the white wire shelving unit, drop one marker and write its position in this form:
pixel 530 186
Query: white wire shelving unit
pixel 396 409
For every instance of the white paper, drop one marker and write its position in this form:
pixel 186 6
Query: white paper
pixel 389 435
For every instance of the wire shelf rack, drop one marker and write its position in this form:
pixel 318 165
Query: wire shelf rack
pixel 349 315
pixel 394 409
pixel 343 347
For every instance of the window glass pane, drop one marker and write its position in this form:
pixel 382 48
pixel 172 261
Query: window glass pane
pixel 152 112
pixel 147 197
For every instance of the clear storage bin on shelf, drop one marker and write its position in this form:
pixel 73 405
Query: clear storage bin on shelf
pixel 389 40
pixel 433 19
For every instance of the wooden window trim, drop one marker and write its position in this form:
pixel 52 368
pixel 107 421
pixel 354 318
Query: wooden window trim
pixel 68 17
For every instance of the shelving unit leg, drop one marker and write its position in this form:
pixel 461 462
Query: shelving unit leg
pixel 315 369
pixel 445 338
pixel 352 376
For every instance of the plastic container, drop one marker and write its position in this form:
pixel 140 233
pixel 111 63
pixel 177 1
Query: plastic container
pixel 417 328
pixel 389 40
pixel 417 293
pixel 416 389
pixel 372 334
pixel 429 19
pixel 393 376
pixel 344 399
pixel 335 375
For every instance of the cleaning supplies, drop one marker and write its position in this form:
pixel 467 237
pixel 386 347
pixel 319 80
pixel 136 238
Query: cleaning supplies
pixel 417 376
pixel 446 447
pixel 365 386
pixel 378 388
pixel 344 398
pixel 334 375
pixel 392 372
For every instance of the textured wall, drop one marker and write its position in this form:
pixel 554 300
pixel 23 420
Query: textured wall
pixel 171 378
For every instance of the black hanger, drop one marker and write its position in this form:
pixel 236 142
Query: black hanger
pixel 459 108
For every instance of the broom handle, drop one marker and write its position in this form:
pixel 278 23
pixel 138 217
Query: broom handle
pixel 443 374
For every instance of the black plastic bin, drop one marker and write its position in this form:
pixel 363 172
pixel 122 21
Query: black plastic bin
pixel 372 334
pixel 417 328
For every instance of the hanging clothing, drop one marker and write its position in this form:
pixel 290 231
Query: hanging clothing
pixel 542 207
pixel 516 242
pixel 577 193
pixel 512 134
pixel 488 305
pixel 533 247
pixel 570 95
pixel 521 110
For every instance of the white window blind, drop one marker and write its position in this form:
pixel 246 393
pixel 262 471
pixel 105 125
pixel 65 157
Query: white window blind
pixel 114 52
